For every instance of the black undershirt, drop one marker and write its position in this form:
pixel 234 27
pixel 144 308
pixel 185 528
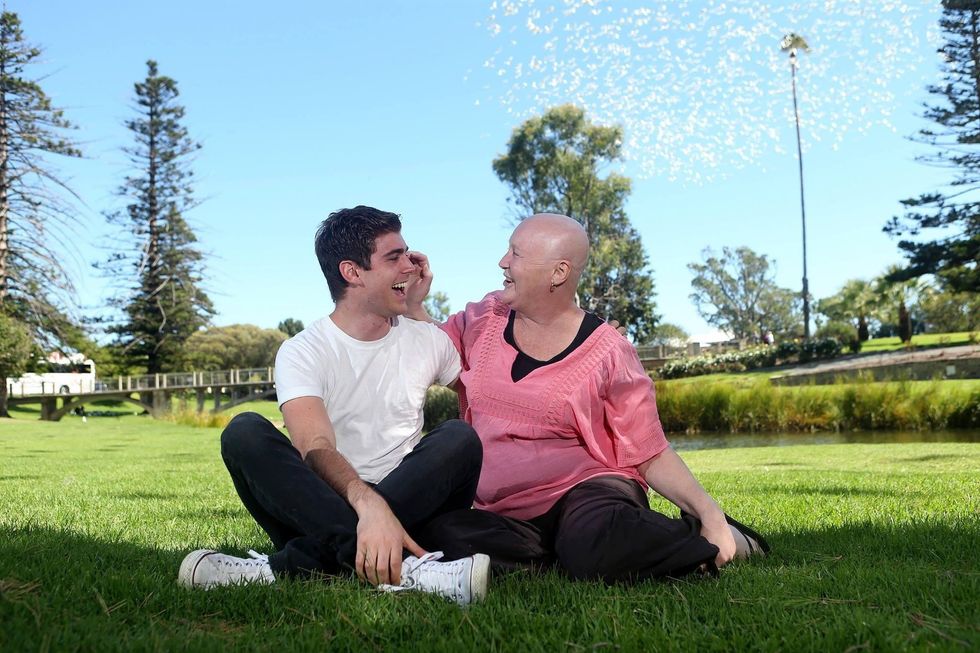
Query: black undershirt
pixel 524 364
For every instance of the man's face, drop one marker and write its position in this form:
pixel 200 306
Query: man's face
pixel 385 283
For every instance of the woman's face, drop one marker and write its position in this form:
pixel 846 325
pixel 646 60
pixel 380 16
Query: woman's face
pixel 527 268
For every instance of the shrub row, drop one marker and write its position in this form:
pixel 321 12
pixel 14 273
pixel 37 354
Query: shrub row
pixel 750 359
pixel 759 407
pixel 188 417
pixel 441 404
pixel 912 406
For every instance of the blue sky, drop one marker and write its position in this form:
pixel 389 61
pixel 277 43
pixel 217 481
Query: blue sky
pixel 307 107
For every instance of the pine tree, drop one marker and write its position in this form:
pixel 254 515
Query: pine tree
pixel 952 216
pixel 36 213
pixel 552 165
pixel 158 266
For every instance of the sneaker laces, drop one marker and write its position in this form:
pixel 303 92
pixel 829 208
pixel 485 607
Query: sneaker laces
pixel 255 562
pixel 409 566
pixel 408 574
pixel 261 557
pixel 443 578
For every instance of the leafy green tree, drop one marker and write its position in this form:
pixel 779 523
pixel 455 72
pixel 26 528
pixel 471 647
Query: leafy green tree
pixel 668 334
pixel 737 293
pixel 952 215
pixel 17 349
pixel 158 264
pixel 552 165
pixel 856 302
pixel 290 326
pixel 944 310
pixel 437 305
pixel 36 213
pixel 233 347
pixel 842 332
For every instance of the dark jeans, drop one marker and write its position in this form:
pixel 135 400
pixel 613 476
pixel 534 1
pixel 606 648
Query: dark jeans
pixel 601 529
pixel 312 527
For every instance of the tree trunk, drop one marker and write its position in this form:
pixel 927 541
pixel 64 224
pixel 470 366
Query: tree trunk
pixel 3 395
pixel 863 333
pixel 904 324
pixel 4 199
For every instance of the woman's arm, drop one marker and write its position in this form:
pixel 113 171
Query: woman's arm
pixel 670 477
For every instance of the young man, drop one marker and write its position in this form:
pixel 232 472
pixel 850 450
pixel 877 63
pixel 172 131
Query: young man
pixel 357 477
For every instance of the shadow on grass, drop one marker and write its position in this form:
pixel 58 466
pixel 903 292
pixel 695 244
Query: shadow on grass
pixel 924 459
pixel 212 513
pixel 832 491
pixel 145 496
pixel 868 585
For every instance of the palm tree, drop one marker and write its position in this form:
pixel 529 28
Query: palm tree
pixel 862 300
pixel 857 302
pixel 905 295
pixel 791 43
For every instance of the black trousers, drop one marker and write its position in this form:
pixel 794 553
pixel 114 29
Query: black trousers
pixel 312 527
pixel 601 529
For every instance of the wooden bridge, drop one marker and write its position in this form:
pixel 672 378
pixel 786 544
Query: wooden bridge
pixel 154 392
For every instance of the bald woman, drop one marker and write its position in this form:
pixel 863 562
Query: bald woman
pixel 571 435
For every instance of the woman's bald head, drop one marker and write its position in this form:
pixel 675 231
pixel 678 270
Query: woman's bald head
pixel 559 237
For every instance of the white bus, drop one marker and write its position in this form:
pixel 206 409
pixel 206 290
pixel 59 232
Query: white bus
pixel 61 374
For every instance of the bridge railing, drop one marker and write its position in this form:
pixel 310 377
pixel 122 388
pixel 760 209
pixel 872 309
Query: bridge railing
pixel 169 381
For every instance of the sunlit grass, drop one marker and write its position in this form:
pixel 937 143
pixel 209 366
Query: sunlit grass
pixel 879 345
pixel 875 550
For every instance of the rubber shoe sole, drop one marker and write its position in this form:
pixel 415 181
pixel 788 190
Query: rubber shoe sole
pixel 189 566
pixel 479 578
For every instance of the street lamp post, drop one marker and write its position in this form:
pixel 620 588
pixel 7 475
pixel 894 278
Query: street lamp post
pixel 791 43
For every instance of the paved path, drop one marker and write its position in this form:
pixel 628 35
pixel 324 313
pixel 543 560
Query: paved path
pixel 947 355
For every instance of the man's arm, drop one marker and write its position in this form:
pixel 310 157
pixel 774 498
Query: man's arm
pixel 380 536
pixel 667 474
pixel 418 290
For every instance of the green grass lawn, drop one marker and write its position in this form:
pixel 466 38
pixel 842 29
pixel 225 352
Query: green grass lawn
pixel 879 345
pixel 739 379
pixel 875 549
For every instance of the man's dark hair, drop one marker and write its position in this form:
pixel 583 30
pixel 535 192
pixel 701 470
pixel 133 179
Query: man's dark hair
pixel 349 235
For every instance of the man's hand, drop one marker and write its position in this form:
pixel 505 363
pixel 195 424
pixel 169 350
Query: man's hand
pixel 420 283
pixel 380 540
pixel 619 327
pixel 380 536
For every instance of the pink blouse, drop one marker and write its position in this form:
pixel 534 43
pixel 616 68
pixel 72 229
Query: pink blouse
pixel 591 414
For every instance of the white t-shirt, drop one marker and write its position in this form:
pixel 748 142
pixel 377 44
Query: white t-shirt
pixel 373 391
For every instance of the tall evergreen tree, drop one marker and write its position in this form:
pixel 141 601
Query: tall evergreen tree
pixel 552 165
pixel 158 267
pixel 291 326
pixel 952 215
pixel 36 213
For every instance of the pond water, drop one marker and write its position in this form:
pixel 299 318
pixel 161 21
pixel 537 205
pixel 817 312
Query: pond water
pixel 685 442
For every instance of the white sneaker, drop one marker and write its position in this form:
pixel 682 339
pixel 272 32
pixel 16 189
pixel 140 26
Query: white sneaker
pixel 463 581
pixel 205 568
